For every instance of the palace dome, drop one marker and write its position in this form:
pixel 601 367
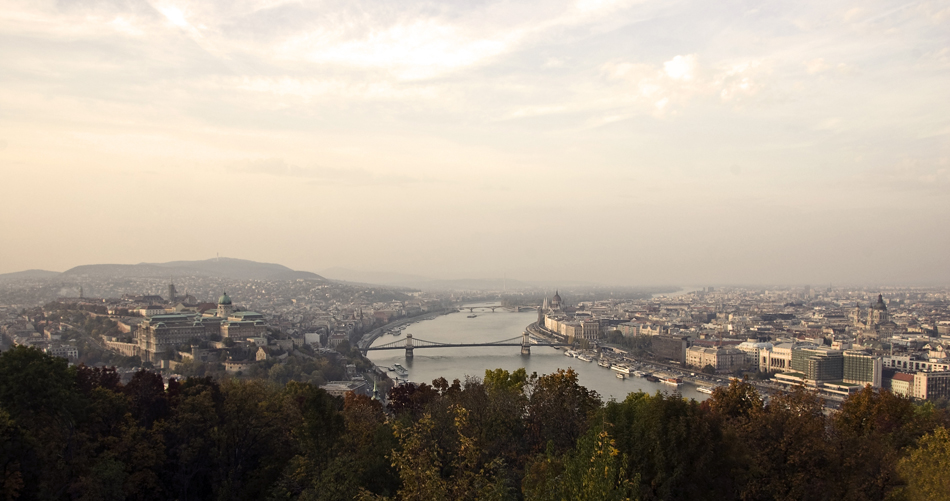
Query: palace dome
pixel 224 299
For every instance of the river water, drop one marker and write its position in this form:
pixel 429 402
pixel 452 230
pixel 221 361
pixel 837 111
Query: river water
pixel 456 363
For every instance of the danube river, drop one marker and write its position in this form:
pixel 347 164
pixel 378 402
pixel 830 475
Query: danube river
pixel 456 363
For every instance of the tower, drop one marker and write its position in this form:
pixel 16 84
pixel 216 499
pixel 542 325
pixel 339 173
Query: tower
pixel 877 314
pixel 171 293
pixel 224 306
pixel 80 292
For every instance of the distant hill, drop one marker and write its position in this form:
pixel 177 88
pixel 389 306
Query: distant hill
pixel 28 274
pixel 238 269
pixel 373 277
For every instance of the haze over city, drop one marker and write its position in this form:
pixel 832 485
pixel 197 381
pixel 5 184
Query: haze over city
pixel 626 143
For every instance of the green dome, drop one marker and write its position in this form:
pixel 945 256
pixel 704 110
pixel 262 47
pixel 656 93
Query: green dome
pixel 224 299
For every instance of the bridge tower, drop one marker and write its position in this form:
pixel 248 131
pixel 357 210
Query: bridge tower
pixel 525 344
pixel 408 346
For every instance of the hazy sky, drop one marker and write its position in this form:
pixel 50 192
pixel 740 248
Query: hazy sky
pixel 621 142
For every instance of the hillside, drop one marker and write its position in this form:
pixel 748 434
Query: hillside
pixel 239 269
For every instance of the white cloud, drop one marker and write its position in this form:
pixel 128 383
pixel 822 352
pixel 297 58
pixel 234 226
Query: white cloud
pixel 682 79
pixel 681 67
pixel 816 66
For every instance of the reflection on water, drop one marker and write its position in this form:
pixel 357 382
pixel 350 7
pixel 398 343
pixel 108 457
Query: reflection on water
pixel 456 363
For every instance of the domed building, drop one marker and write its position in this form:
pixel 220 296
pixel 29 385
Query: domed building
pixel 877 314
pixel 556 301
pixel 225 308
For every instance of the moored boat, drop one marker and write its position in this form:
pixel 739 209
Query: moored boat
pixel 705 389
pixel 621 376
pixel 623 369
pixel 399 369
pixel 672 381
pixel 604 363
pixel 585 358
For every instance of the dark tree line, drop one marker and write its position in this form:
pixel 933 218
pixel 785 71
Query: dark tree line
pixel 79 433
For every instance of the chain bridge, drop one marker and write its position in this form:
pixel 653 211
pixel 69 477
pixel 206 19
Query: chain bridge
pixel 410 344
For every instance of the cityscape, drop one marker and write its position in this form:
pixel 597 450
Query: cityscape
pixel 835 340
pixel 545 250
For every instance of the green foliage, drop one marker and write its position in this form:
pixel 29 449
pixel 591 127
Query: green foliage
pixel 926 467
pixel 558 410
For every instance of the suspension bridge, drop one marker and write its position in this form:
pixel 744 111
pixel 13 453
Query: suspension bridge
pixel 411 344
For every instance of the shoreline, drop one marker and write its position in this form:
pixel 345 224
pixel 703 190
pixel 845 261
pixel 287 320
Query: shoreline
pixel 366 340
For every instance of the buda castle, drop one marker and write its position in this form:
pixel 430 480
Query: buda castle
pixel 161 333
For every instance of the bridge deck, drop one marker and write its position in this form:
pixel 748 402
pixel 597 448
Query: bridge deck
pixel 467 345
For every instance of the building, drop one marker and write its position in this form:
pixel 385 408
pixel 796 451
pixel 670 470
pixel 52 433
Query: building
pixel 668 347
pixel 862 368
pixel 590 329
pixel 160 333
pixel 721 359
pixel 776 359
pixel 900 384
pixel 66 351
pixel 877 313
pixel 753 350
pixel 818 364
pixel 163 333
pixel 931 385
pixel 341 388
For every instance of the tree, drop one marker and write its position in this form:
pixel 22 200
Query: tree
pixel 558 410
pixel 708 369
pixel 871 428
pixel 595 471
pixel 788 452
pixel 739 400
pixel 925 468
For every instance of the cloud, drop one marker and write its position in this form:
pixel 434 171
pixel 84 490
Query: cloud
pixel 277 167
pixel 816 66
pixel 682 79
pixel 681 67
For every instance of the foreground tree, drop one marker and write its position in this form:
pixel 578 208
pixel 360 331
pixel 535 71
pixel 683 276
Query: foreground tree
pixel 926 467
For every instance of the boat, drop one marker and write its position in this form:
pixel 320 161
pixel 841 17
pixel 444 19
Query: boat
pixel 621 376
pixel 705 389
pixel 623 369
pixel 639 374
pixel 651 378
pixel 672 381
pixel 585 358
pixel 472 316
pixel 570 353
pixel 399 369
pixel 604 363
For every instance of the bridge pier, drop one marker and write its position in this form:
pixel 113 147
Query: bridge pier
pixel 525 345
pixel 409 346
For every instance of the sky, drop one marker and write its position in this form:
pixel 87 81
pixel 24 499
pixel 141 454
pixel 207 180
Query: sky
pixel 607 141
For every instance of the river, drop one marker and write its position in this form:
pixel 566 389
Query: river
pixel 456 363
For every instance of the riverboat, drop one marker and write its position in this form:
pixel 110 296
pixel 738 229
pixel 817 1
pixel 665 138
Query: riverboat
pixel 471 316
pixel 672 381
pixel 621 376
pixel 604 363
pixel 585 358
pixel 623 369
pixel 651 378
pixel 399 369
pixel 570 353
pixel 705 389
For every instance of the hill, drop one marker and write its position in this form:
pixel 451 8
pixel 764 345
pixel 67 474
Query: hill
pixel 238 269
pixel 28 275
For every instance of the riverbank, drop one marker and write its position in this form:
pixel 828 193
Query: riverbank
pixel 367 339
